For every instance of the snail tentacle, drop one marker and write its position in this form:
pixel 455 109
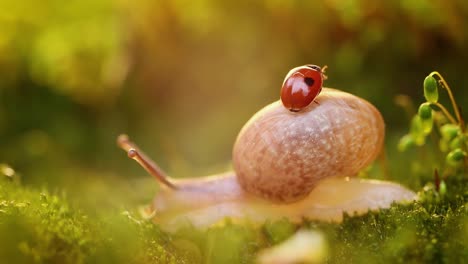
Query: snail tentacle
pixel 147 163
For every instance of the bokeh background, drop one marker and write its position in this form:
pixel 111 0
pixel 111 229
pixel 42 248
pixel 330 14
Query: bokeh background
pixel 182 77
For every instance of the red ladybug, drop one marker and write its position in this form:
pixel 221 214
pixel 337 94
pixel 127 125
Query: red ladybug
pixel 301 86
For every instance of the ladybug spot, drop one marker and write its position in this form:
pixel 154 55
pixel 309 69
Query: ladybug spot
pixel 309 81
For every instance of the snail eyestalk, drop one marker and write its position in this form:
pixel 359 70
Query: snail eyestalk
pixel 150 166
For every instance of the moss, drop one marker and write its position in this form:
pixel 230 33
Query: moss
pixel 40 227
pixel 432 230
pixel 278 231
pixel 43 228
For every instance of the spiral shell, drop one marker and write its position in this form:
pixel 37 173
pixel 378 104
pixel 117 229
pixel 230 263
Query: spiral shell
pixel 281 155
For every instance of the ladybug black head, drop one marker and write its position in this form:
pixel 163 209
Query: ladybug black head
pixel 314 67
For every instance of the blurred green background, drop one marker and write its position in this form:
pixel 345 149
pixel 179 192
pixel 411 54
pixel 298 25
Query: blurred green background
pixel 182 77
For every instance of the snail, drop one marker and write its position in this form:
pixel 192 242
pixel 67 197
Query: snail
pixel 293 160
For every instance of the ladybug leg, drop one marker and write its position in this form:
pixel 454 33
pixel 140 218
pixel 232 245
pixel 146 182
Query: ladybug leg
pixel 323 72
pixel 316 102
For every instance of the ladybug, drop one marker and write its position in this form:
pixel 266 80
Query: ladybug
pixel 301 85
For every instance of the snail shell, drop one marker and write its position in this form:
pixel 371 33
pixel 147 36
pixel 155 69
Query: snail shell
pixel 281 155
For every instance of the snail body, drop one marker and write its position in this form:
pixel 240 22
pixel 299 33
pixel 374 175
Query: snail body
pixel 222 197
pixel 287 163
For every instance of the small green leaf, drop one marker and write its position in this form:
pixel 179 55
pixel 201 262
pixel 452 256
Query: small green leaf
pixel 425 114
pixel 443 145
pixel 455 157
pixel 442 187
pixel 417 131
pixel 425 111
pixel 427 126
pixel 449 131
pixel 405 143
pixel 455 143
pixel 430 89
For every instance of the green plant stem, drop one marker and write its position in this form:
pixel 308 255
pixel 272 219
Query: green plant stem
pixel 446 112
pixel 456 109
pixel 460 122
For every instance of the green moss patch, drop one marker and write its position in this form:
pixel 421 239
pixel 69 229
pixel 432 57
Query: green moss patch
pixel 40 227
